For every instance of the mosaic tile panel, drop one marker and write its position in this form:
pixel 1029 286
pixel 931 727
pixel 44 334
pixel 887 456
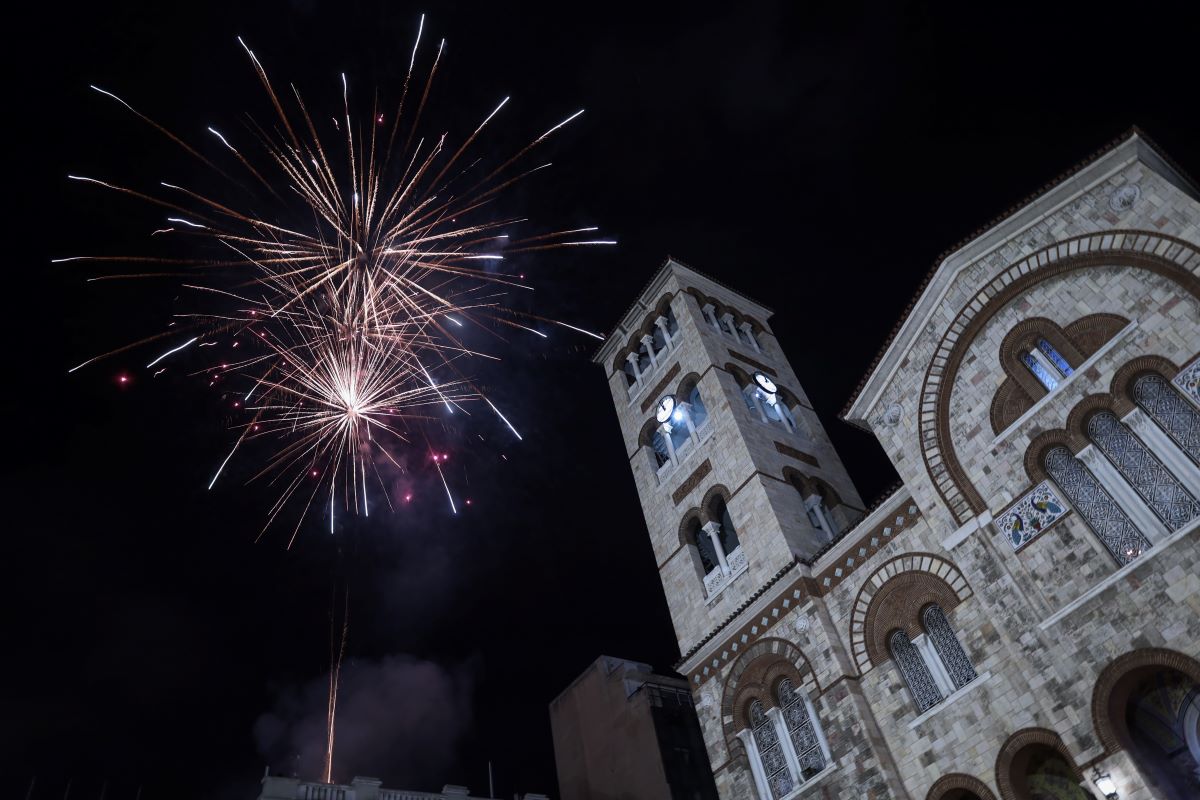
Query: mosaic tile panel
pixel 1031 515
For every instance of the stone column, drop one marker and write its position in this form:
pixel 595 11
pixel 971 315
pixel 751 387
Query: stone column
pixel 748 329
pixel 785 741
pixel 632 358
pixel 648 341
pixel 756 769
pixel 713 529
pixel 661 323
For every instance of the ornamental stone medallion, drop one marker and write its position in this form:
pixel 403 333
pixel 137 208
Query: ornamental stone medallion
pixel 891 416
pixel 1124 197
pixel 1031 515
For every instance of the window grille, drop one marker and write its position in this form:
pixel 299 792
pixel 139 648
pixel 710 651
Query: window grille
pixel 1171 411
pixel 949 650
pixel 770 752
pixel 1107 520
pixel 1167 498
pixel 916 674
pixel 801 729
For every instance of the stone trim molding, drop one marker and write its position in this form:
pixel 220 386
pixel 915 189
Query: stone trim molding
pixel 751 631
pixel 1168 256
pixel 693 480
pixel 799 455
pixel 1018 742
pixel 958 781
pixel 893 596
pixel 758 365
pixel 871 543
pixel 1109 725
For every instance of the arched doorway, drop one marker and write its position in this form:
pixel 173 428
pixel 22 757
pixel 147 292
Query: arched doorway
pixel 1162 717
pixel 1148 703
pixel 1034 764
pixel 958 786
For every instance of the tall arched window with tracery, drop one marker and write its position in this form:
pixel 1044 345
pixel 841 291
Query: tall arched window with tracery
pixel 958 666
pixel 802 730
pixel 1161 490
pixel 770 751
pixel 921 685
pixel 1107 520
pixel 1175 415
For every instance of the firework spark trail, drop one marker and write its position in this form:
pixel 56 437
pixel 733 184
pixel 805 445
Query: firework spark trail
pixel 354 291
pixel 336 654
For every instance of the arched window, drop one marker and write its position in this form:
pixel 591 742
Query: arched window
pixel 631 374
pixel 644 363
pixel 1175 415
pixel 728 535
pixel 817 505
pixel 1046 363
pixel 954 659
pixel 802 728
pixel 672 323
pixel 1055 358
pixel 770 752
pixel 697 408
pixel 658 443
pixel 1040 371
pixel 912 666
pixel 1107 520
pixel 1163 493
pixel 706 550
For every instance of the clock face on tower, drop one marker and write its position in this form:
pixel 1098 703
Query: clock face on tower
pixel 765 383
pixel 666 407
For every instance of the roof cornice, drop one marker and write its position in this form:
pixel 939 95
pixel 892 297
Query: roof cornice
pixel 1130 146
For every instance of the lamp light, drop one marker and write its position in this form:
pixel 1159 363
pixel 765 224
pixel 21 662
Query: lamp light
pixel 1105 783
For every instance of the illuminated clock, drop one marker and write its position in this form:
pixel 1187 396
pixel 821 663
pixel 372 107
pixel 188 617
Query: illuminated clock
pixel 666 407
pixel 765 383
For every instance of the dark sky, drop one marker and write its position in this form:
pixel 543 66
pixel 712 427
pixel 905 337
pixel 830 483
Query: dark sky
pixel 817 158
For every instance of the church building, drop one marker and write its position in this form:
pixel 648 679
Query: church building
pixel 1020 617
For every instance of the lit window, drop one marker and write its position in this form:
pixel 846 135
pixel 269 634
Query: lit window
pixel 1040 371
pixel 1055 357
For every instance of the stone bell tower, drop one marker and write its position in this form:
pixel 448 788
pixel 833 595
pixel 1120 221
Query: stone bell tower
pixel 736 475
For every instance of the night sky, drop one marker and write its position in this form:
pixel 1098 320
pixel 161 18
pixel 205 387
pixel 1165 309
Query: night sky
pixel 818 160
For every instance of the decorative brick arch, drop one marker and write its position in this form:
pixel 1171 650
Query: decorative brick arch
pixel 1112 688
pixel 1035 453
pixel 1012 748
pixel 1088 407
pixel 946 784
pixel 1122 382
pixel 893 597
pixel 1168 256
pixel 755 673
pixel 714 491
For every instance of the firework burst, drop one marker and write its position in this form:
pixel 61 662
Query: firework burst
pixel 349 301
